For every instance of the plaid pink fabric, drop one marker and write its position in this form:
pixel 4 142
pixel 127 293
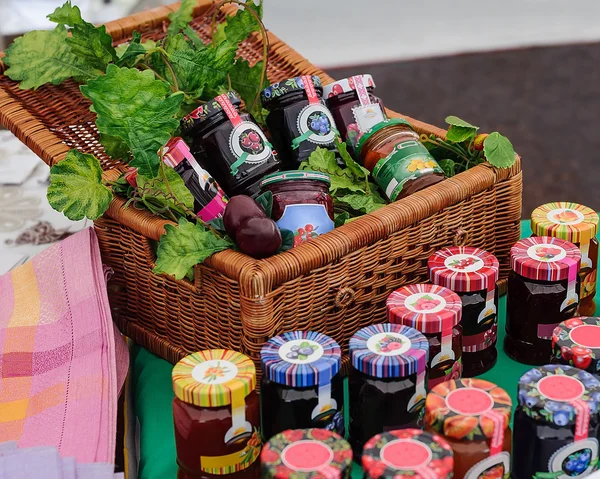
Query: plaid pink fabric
pixel 62 362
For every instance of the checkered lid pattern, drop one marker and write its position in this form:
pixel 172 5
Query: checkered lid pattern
pixel 544 258
pixel 569 221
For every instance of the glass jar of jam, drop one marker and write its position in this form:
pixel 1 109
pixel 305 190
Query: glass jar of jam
pixel 472 273
pixel 230 145
pixel 216 414
pixel 301 203
pixel 435 311
pixel 556 423
pixel 542 293
pixel 298 119
pixel 353 106
pixel 301 387
pixel 398 161
pixel 387 381
pixel 407 453
pixel 576 342
pixel 305 454
pixel 473 415
pixel 577 224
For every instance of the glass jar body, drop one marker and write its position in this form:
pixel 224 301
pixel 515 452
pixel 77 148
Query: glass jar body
pixel 441 367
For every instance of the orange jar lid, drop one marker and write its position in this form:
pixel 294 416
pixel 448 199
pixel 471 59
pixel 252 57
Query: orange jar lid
pixel 569 221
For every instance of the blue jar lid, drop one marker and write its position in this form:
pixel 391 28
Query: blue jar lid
pixel 389 351
pixel 301 359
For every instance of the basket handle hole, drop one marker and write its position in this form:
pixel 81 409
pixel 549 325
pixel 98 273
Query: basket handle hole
pixel 344 297
pixel 460 237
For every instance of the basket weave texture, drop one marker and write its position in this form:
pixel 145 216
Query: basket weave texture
pixel 335 284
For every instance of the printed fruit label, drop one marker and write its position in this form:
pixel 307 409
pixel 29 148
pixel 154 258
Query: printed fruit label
pixel 565 216
pixel 236 461
pixel 301 351
pixel 577 459
pixel 546 252
pixel 463 263
pixel 214 371
pixel 305 221
pixel 497 467
pixel 425 303
pixel 316 124
pixel 388 344
pixel 248 143
pixel 307 456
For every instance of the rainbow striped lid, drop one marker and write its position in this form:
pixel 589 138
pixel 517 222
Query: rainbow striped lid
pixel 568 221
pixel 213 378
pixel 389 351
pixel 301 359
pixel 544 258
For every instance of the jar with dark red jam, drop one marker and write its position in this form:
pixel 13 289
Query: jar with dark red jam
pixel 472 273
pixel 577 224
pixel 556 423
pixel 301 387
pixel 216 413
pixel 301 203
pixel 387 381
pixel 353 106
pixel 298 119
pixel 230 145
pixel 435 311
pixel 576 342
pixel 542 293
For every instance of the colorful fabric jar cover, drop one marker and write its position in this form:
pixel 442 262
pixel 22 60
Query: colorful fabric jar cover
pixel 347 85
pixel 544 258
pixel 577 342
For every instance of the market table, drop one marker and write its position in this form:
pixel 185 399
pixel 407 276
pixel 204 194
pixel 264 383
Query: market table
pixel 152 397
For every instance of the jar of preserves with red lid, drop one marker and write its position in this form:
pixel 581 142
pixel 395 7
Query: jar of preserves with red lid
pixel 230 145
pixel 216 414
pixel 472 273
pixel 576 342
pixel 542 292
pixel 435 311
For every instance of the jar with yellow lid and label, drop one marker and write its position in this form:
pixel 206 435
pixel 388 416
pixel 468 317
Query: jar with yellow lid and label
pixel 217 415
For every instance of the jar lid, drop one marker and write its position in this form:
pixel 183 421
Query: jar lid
pixel 464 269
pixel 557 393
pixel 389 351
pixel 291 85
pixel 204 112
pixel 301 359
pixel 346 85
pixel 295 175
pixel 576 341
pixel 544 258
pixel 407 452
pixel 468 408
pixel 426 307
pixel 380 126
pixel 569 221
pixel 175 151
pixel 306 453
pixel 215 377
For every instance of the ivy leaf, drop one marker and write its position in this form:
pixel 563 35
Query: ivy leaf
pixel 130 53
pixel 456 121
pixel 181 17
pixel 448 167
pixel 76 187
pixel 458 134
pixel 176 184
pixel 245 80
pixel 114 147
pixel 265 200
pixel 184 246
pixel 243 23
pixel 362 203
pixel 287 240
pixel 66 14
pixel 499 151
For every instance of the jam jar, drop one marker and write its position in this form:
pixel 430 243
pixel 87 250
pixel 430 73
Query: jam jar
pixel 407 453
pixel 542 293
pixel 353 106
pixel 230 145
pixel 209 198
pixel 216 413
pixel 301 203
pixel 576 342
pixel 398 161
pixel 298 119
pixel 301 387
pixel 306 454
pixel 472 273
pixel 435 311
pixel 556 423
pixel 473 415
pixel 387 381
pixel 577 224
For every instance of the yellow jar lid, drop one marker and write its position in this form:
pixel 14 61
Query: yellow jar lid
pixel 569 221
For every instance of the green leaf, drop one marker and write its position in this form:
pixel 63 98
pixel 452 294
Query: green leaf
pixel 499 151
pixel 121 186
pixel 217 224
pixel 245 80
pixel 76 187
pixel 458 134
pixel 184 246
pixel 243 23
pixel 362 203
pixel 130 53
pixel 66 15
pixel 448 167
pixel 357 170
pixel 176 184
pixel 136 108
pixel 341 218
pixel 219 35
pixel 181 17
pixel 114 147
pixel 325 161
pixel 287 240
pixel 456 121
pixel 265 200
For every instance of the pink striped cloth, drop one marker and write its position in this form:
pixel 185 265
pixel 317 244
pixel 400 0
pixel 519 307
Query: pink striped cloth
pixel 62 361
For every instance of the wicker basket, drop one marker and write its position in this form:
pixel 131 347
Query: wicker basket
pixel 335 284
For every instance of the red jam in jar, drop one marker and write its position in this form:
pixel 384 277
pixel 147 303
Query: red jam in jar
pixel 472 273
pixel 576 342
pixel 216 413
pixel 435 311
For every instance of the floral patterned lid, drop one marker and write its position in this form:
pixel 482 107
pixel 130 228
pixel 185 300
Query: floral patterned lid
pixel 426 307
pixel 306 453
pixel 279 89
pixel 407 452
pixel 544 258
pixel 295 175
pixel 301 359
pixel 464 269
pixel 203 112
pixel 576 342
pixel 471 409
pixel 380 126
pixel 213 378
pixel 389 351
pixel 346 85
pixel 569 221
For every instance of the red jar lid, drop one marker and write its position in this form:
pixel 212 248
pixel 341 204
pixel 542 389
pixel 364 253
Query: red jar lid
pixel 544 258
pixel 346 85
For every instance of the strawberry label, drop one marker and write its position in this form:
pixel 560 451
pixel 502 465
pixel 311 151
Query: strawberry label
pixel 425 303
pixel 463 263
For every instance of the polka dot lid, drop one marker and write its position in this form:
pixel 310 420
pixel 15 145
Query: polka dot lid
pixel 569 221
pixel 346 85
pixel 213 378
pixel 426 307
pixel 545 259
pixel 576 342
pixel 301 359
pixel 389 351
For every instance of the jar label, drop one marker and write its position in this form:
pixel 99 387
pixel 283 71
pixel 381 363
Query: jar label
pixel 425 303
pixel 305 221
pixel 367 117
pixel 388 344
pixel 463 263
pixel 236 461
pixel 301 351
pixel 544 331
pixel 470 401
pixel 565 216
pixel 214 371
pixel 548 253
pixel 307 456
pixel 408 161
pixel 249 145
pixel 560 388
pixel 315 124
pixel 407 454
pixel 481 341
pixel 577 459
pixel 586 335
pixel 497 466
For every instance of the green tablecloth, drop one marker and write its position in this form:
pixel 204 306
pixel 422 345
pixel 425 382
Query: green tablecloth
pixel 152 396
